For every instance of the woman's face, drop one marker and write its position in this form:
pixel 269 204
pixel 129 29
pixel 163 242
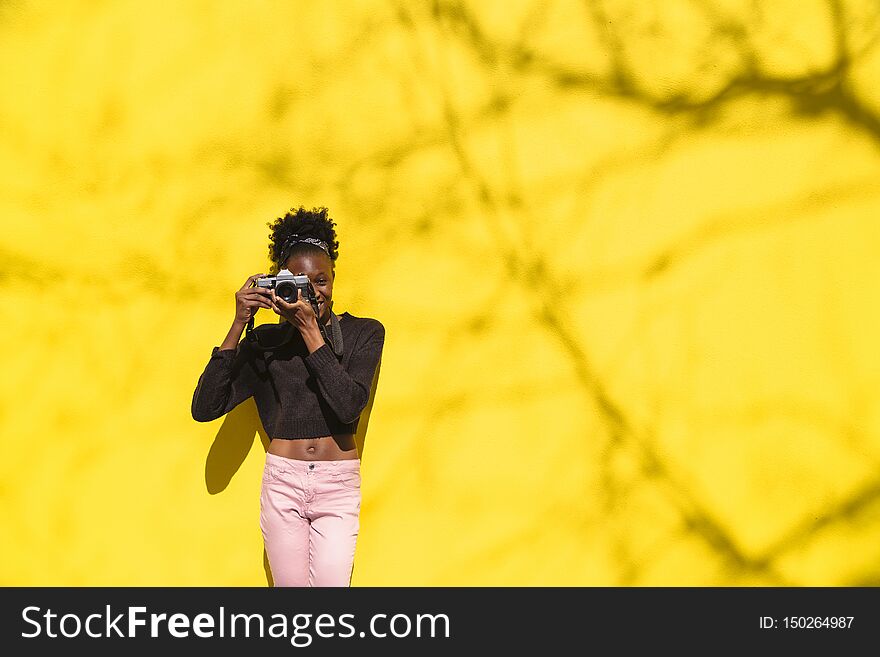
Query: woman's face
pixel 319 269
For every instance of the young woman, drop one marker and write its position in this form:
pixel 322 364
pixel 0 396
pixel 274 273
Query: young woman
pixel 311 376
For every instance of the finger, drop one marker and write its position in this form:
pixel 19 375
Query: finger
pixel 256 294
pixel 250 281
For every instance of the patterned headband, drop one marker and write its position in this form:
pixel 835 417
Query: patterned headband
pixel 293 239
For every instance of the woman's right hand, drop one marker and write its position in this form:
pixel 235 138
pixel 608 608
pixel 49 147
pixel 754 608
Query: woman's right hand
pixel 249 299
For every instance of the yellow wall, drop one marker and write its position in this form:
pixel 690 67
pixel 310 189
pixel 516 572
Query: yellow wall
pixel 625 252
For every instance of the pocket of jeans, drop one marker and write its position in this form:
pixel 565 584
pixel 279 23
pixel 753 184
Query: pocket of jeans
pixel 270 473
pixel 350 480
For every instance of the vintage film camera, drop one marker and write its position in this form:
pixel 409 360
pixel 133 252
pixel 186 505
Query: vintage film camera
pixel 286 284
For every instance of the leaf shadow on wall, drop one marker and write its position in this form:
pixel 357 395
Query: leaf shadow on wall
pixel 235 438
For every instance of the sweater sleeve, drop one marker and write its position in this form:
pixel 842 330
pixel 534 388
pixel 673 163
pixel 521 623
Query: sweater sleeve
pixel 226 382
pixel 347 392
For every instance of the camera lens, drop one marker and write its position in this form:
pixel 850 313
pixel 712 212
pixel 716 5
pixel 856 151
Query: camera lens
pixel 286 291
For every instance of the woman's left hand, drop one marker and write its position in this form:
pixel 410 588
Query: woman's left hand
pixel 300 313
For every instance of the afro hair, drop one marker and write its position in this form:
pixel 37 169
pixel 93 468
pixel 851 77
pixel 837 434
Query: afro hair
pixel 306 223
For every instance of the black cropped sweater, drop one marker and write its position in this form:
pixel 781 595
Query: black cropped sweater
pixel 298 394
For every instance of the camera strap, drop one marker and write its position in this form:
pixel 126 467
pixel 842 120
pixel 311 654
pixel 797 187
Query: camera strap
pixel 249 330
pixel 333 336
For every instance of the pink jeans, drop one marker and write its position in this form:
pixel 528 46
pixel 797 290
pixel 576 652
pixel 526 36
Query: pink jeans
pixel 309 516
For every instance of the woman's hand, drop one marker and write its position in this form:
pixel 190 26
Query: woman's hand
pixel 299 313
pixel 248 300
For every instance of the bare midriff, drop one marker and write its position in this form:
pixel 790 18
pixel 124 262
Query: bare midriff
pixel 324 448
